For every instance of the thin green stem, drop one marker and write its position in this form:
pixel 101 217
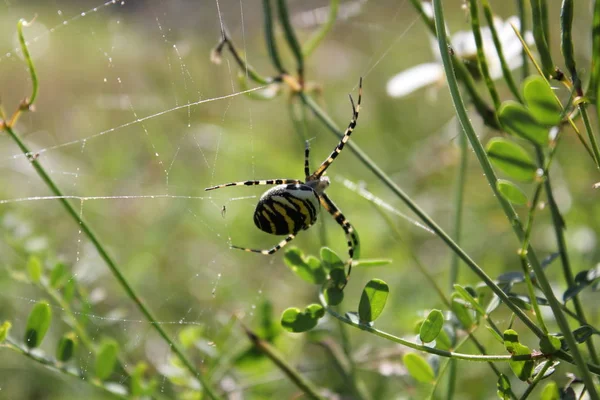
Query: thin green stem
pixel 270 37
pixel 85 228
pixel 459 204
pixel 523 30
pixel 539 35
pixel 34 80
pixel 489 17
pixel 51 364
pixel 566 43
pixel 508 209
pixel 591 91
pixel 536 380
pixel 271 352
pixel 559 226
pixel 425 349
pixel 249 71
pixel 481 59
pixel 313 42
pixel 590 133
pixel 290 36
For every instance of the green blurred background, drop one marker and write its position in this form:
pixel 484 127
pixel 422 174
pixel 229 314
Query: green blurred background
pixel 101 71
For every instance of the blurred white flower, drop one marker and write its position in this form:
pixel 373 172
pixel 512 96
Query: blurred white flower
pixel 465 48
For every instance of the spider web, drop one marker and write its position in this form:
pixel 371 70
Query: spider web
pixel 133 121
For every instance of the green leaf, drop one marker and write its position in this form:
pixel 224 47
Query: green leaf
pixel 522 369
pixel 465 295
pixel 372 300
pixel 518 121
pixel 333 294
pixel 418 368
pixel 139 388
pixel 511 192
pixel 512 159
pixel 331 260
pixel 4 329
pixel 462 313
pixel 550 392
pixel 37 324
pixel 58 275
pixel 66 347
pixel 308 268
pixel 366 263
pixel 106 358
pixel 69 289
pixel 549 344
pixel 495 334
pixel 583 333
pixel 295 320
pixel 190 335
pixel 431 327
pixel 504 388
pixel 34 269
pixel 541 101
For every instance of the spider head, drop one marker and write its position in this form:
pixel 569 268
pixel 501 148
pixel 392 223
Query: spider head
pixel 319 185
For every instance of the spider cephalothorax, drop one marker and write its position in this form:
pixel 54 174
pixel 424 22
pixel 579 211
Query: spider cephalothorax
pixel 293 205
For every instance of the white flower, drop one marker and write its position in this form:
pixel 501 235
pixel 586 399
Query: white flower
pixel 463 44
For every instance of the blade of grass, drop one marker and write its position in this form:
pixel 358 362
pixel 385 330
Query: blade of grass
pixel 507 207
pixel 539 35
pixel 523 21
pixel 313 42
pixel 292 41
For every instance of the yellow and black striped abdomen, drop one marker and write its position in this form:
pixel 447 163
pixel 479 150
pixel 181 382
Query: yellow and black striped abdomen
pixel 287 209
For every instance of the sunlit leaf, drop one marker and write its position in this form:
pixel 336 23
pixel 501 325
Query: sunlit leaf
pixel 541 101
pixel 308 268
pixel 512 159
pixel 330 259
pixel 366 263
pixel 4 329
pixel 58 275
pixel 34 269
pixel 465 295
pixel 550 344
pixel 522 369
pixel 511 192
pixel 372 300
pixel 518 121
pixel 462 313
pixel 431 326
pixel 418 368
pixel 38 323
pixel 295 320
pixel 550 392
pixel 106 358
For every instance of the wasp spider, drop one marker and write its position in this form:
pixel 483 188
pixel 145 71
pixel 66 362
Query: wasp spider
pixel 293 205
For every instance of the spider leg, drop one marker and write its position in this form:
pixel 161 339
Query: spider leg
pixel 306 159
pixel 272 250
pixel 345 224
pixel 252 183
pixel 355 110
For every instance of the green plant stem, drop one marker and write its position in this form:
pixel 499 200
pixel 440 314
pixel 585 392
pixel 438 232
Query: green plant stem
pixel 508 209
pixel 290 36
pixel 426 349
pixel 590 133
pixel 51 364
pixel 110 263
pixel 272 353
pixel 540 37
pixel 523 20
pixel 566 43
pixel 270 37
pixel 591 91
pixel 344 369
pixel 27 57
pixel 248 70
pixel 487 114
pixel 489 17
pixel 313 42
pixel 481 59
pixel 536 380
pixel 558 224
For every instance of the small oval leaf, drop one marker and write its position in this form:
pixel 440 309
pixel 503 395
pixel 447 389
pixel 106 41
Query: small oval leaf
pixel 541 101
pixel 330 259
pixel 66 347
pixel 550 392
pixel 518 121
pixel 4 329
pixel 58 275
pixel 418 368
pixel 431 327
pixel 372 300
pixel 511 192
pixel 512 159
pixel 522 369
pixel 34 269
pixel 550 344
pixel 37 324
pixel 106 358
pixel 308 268
pixel 295 320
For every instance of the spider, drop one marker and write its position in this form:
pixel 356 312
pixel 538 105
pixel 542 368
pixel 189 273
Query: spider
pixel 293 205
